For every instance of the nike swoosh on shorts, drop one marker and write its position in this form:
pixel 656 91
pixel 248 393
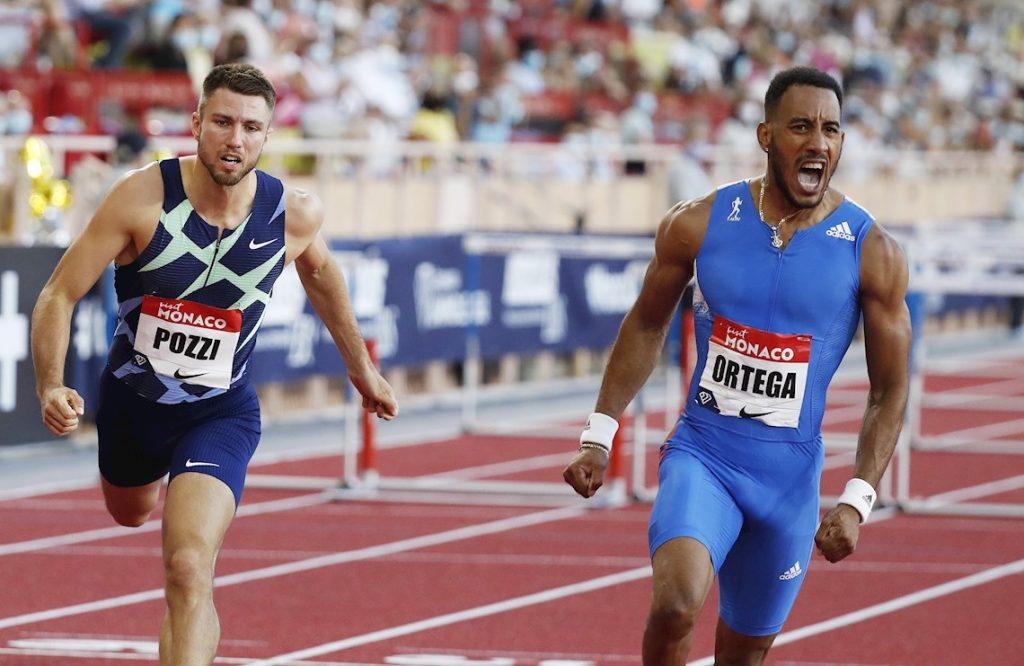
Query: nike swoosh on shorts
pixel 191 463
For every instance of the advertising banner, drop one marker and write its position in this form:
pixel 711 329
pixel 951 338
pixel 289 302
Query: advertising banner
pixel 419 298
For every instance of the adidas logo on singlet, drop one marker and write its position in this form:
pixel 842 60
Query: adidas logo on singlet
pixel 841 230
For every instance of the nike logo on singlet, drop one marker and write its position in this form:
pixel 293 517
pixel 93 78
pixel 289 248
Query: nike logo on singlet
pixel 747 415
pixel 253 245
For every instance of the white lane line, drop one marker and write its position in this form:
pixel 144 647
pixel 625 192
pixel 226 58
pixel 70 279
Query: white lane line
pixel 537 462
pixel 369 552
pixel 55 649
pixel 978 491
pixel 85 536
pixel 498 469
pixel 48 488
pixel 460 616
pixel 980 433
pixel 899 603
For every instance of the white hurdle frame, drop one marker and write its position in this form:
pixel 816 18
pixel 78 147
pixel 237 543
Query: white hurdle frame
pixel 359 483
pixel 975 261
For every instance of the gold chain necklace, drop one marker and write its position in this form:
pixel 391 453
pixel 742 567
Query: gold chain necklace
pixel 776 237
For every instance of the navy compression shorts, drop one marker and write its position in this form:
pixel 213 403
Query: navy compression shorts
pixel 140 441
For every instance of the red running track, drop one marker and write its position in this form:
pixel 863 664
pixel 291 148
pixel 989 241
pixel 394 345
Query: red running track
pixel 303 579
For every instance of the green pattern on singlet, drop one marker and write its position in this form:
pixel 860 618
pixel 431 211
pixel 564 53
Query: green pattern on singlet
pixel 174 222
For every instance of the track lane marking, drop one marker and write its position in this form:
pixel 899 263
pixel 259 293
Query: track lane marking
pixel 891 606
pixel 271 506
pixel 370 552
pixel 460 616
pixel 517 603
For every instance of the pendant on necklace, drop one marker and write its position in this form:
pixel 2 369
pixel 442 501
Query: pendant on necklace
pixel 776 238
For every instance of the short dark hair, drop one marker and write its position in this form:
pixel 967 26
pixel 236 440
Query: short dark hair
pixel 798 76
pixel 239 78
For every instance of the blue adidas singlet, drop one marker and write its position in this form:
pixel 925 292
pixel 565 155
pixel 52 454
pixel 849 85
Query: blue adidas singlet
pixel 189 307
pixel 771 326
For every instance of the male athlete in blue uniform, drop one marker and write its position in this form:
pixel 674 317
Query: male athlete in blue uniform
pixel 198 243
pixel 785 268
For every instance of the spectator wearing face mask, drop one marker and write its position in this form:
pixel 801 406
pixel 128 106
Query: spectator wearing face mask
pixel 17 116
pixel 187 46
pixel 527 72
pixel 169 53
pixel 318 83
pixel 465 91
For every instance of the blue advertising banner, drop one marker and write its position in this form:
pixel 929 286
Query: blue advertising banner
pixel 419 298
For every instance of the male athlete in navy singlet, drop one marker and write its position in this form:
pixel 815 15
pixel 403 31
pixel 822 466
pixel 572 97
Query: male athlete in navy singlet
pixel 785 268
pixel 197 243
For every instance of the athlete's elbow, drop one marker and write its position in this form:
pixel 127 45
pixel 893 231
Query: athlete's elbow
pixel 49 302
pixel 890 397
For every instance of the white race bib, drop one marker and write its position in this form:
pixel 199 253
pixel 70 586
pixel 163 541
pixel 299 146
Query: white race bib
pixel 755 374
pixel 188 341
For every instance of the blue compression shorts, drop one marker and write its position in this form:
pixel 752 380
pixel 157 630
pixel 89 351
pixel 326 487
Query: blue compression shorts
pixel 140 440
pixel 754 506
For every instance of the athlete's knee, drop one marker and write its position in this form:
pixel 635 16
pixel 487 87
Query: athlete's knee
pixel 188 572
pixel 130 507
pixel 741 655
pixel 735 649
pixel 673 618
pixel 128 515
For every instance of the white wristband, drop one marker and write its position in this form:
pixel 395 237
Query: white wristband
pixel 860 495
pixel 600 430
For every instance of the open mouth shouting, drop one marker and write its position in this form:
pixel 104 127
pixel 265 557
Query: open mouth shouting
pixel 810 177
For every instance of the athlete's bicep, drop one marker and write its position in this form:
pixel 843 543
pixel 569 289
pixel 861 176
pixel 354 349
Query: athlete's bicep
pixel 114 228
pixel 678 239
pixel 314 257
pixel 887 333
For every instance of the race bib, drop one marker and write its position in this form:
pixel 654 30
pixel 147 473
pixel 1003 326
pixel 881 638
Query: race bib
pixel 188 341
pixel 755 374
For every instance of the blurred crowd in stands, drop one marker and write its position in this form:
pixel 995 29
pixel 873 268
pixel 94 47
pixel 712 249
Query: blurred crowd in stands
pixel 918 74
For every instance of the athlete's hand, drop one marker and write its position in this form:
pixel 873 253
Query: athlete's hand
pixel 838 533
pixel 61 407
pixel 378 396
pixel 585 472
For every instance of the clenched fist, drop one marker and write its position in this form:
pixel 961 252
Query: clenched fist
pixel 585 472
pixel 61 407
pixel 838 533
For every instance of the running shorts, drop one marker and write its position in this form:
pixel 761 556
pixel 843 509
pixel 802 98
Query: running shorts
pixel 140 440
pixel 754 506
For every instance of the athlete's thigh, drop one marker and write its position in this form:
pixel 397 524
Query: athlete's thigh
pixel 692 502
pixel 135 436
pixel 131 505
pixel 763 573
pixel 682 574
pixel 197 512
